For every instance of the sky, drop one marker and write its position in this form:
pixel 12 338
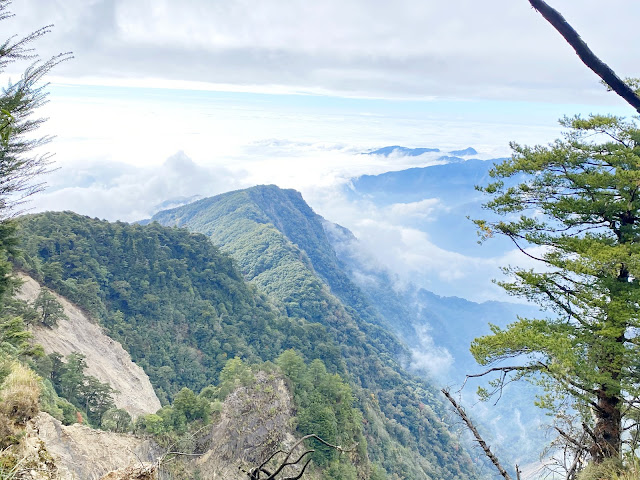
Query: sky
pixel 166 100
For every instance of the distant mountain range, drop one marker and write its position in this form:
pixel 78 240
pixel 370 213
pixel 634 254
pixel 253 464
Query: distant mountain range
pixel 452 184
pixel 415 152
pixel 409 152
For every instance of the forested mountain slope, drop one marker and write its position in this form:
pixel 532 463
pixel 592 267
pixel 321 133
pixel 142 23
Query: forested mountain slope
pixel 181 309
pixel 282 234
pixel 280 246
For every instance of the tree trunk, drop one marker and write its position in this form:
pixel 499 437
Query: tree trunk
pixel 608 430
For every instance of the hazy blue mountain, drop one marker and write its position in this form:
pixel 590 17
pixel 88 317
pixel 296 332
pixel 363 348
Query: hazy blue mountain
pixel 464 153
pixel 453 184
pixel 409 152
pixel 446 181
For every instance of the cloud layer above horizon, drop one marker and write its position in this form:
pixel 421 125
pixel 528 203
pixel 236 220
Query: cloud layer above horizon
pixel 395 237
pixel 167 100
pixel 405 49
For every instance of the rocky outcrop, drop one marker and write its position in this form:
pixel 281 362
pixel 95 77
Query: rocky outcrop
pixel 140 472
pixel 106 359
pixel 80 452
pixel 255 422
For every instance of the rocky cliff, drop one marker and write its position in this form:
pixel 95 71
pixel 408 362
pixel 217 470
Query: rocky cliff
pixel 106 359
pixel 255 422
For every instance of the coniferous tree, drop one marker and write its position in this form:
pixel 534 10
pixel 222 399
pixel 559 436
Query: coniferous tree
pixel 18 102
pixel 49 309
pixel 19 166
pixel 574 206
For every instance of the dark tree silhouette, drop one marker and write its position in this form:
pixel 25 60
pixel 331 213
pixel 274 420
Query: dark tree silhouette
pixel 262 473
pixel 587 56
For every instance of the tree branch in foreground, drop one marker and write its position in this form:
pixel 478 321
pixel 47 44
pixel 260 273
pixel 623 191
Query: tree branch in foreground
pixel 479 439
pixel 258 472
pixel 583 51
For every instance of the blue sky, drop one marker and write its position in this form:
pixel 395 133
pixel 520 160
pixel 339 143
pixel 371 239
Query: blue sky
pixel 166 100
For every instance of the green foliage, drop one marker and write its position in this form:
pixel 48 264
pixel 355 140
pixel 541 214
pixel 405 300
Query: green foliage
pixel 152 423
pixel 14 338
pixel 182 310
pixel 170 297
pixel 575 206
pixel 84 392
pixel 340 471
pixel 325 404
pixel 116 420
pixel 191 406
pixel 20 389
pixel 18 103
pixel 8 242
pixel 235 373
pixel 609 469
pixel 49 309
pixel 377 473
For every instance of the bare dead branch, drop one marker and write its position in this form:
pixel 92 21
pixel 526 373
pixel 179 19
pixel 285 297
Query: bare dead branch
pixel 593 437
pixel 571 473
pixel 570 439
pixel 587 56
pixel 479 439
pixel 256 473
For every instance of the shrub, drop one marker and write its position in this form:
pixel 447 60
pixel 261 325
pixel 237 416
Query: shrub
pixel 20 394
pixel 116 420
pixel 8 432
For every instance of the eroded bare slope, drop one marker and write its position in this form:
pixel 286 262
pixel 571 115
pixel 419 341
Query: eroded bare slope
pixel 106 359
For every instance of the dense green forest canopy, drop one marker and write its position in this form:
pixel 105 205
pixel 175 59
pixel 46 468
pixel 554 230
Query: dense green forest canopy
pixel 170 297
pixel 182 310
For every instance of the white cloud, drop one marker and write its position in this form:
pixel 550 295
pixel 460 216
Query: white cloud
pixel 435 360
pixel 395 244
pixel 408 48
pixel 121 192
pixel 424 209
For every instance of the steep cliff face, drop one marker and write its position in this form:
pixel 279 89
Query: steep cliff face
pixel 106 359
pixel 255 422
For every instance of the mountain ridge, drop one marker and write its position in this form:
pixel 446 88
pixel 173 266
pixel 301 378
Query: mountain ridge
pixel 215 216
